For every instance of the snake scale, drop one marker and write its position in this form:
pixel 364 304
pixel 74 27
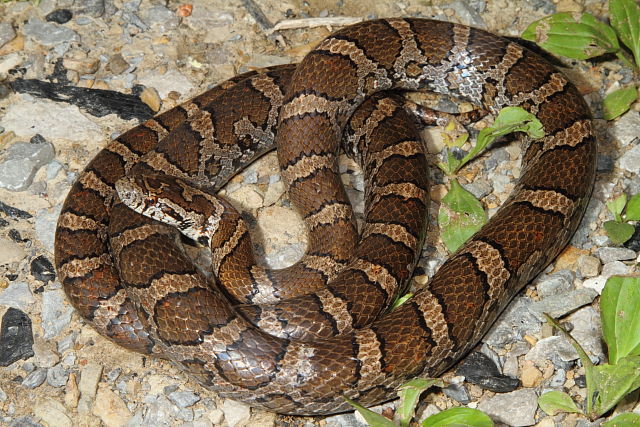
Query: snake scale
pixel 126 276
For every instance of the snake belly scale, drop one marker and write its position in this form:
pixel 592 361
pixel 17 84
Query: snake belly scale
pixel 99 240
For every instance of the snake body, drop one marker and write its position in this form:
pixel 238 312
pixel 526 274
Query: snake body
pixel 125 275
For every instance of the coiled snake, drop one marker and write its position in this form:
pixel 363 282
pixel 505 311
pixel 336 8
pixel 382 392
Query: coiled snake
pixel 125 275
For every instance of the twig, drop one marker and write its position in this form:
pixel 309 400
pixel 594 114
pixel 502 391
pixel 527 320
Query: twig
pixel 337 21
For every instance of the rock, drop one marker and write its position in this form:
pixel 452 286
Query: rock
pixel 42 269
pixel 71 392
pixel 589 266
pixel 531 376
pixel 59 16
pixel 172 80
pixel 150 97
pixel 57 376
pixel 517 408
pixel 457 392
pixel 235 413
pixel 10 251
pixel 27 116
pixel 52 412
pixel 630 160
pixel 559 305
pixel 56 313
pixel 513 324
pixel 16 338
pixel 558 378
pixel 615 268
pixel 556 349
pixel 117 64
pixel 553 284
pixel 46 220
pixel 35 378
pixel 48 34
pixel 82 66
pixel 608 254
pixel 6 33
pixel 588 331
pixel 478 369
pixel 479 188
pixel 93 8
pixel 161 17
pixel 22 160
pixel 183 399
pixel 110 408
pixel 625 129
pixel 44 356
pixel 89 378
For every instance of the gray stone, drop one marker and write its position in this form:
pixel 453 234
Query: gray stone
pixel 17 295
pixel 57 376
pixel 588 331
pixel 45 357
pixel 66 343
pixel 21 161
pixel 588 266
pixel 49 34
pixel 614 268
pixel 609 254
pixel 468 15
pixel 630 161
pixel 561 304
pixel 184 399
pixel 93 8
pixel 160 413
pixel 35 378
pixel 516 409
pixel 556 349
pixel 3 395
pixel 160 16
pixel 556 283
pixel 625 129
pixel 6 33
pixel 56 314
pixel 479 188
pixel 344 420
pixel 513 324
pixel 558 378
pixel 457 392
pixel 46 220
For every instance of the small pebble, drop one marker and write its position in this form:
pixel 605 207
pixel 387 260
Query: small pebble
pixel 42 269
pixel 16 339
pixel 35 378
pixel 615 254
pixel 60 16
pixel 184 399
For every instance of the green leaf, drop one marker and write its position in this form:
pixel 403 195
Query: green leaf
pixel 619 102
pixel 410 393
pixel 619 232
pixel 554 402
pixel 625 19
pixel 460 216
pixel 620 312
pixel 613 382
pixel 509 119
pixel 372 418
pixel 632 212
pixel 623 420
pixel 400 300
pixel 458 417
pixel 565 34
pixel 616 206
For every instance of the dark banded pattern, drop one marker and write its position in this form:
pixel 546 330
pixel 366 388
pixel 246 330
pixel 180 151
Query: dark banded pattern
pixel 365 353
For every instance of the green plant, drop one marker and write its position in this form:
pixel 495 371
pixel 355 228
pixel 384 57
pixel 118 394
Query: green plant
pixel 461 214
pixel 409 394
pixel 619 230
pixel 607 383
pixel 584 37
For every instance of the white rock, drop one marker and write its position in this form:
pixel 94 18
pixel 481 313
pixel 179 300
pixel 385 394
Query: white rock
pixel 517 408
pixel 88 384
pixel 172 80
pixel 28 116
pixel 235 413
pixel 52 412
pixel 17 295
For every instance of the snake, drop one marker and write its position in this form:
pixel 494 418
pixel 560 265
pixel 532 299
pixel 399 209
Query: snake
pixel 126 274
